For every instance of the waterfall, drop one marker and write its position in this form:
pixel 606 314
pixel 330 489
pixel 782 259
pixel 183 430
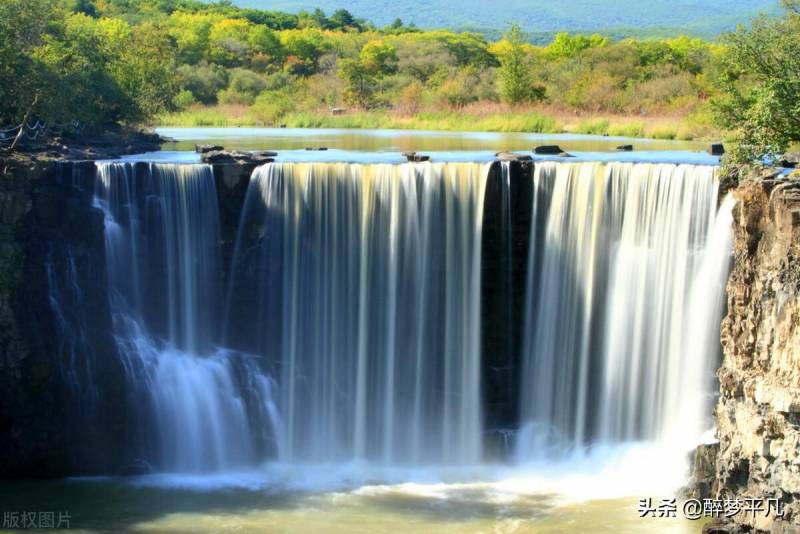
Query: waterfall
pixel 368 284
pixel 344 323
pixel 625 287
pixel 200 407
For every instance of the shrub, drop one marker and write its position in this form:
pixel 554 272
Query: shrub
pixel 204 80
pixel 184 99
pixel 246 82
pixel 271 106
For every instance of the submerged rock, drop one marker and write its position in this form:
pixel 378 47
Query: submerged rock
pixel 317 148
pixel 625 148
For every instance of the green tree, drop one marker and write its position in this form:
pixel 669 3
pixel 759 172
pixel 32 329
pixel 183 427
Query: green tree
pixel 359 83
pixel 262 40
pixel 343 19
pixel 23 27
pixel 566 46
pixel 760 86
pixel 362 76
pixel 379 57
pixel 515 69
pixel 229 42
pixel 86 7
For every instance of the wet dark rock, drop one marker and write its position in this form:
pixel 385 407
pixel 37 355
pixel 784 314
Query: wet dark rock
pixel 413 157
pixel 316 148
pixel 511 156
pixel 548 150
pixel 565 155
pixel 203 149
pixel 49 225
pixel 716 149
pixel 625 148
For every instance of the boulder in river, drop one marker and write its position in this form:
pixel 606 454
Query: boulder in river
pixel 716 149
pixel 548 150
pixel 625 148
pixel 512 156
pixel 203 149
pixel 413 157
pixel 238 157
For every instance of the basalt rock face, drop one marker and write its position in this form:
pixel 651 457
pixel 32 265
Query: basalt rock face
pixel 53 371
pixel 758 414
pixel 504 257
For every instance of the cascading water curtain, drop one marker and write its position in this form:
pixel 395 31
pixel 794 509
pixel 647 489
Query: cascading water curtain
pixel 200 408
pixel 625 289
pixel 368 284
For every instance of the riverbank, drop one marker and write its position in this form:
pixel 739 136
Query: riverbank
pixel 494 118
pixel 108 144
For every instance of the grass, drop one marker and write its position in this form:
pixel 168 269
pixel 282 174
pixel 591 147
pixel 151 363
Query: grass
pixel 593 127
pixel 479 118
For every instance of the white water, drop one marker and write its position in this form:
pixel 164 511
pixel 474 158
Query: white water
pixel 366 284
pixel 200 408
pixel 626 281
pixel 378 300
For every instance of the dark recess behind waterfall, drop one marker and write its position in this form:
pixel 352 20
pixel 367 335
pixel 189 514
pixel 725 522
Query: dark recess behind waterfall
pixel 53 430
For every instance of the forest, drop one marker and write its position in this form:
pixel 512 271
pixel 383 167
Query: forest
pixel 89 63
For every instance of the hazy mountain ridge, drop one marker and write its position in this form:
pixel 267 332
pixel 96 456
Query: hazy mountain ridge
pixel 698 17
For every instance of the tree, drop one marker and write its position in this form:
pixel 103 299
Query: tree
pixel 229 42
pixel 359 83
pixel 468 49
pixel 343 19
pixel 362 76
pixel 515 69
pixel 23 27
pixel 760 82
pixel 191 32
pixel 566 46
pixel 379 57
pixel 86 7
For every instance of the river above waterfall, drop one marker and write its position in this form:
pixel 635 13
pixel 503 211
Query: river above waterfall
pixel 405 140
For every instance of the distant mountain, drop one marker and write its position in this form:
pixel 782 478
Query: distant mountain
pixel 695 17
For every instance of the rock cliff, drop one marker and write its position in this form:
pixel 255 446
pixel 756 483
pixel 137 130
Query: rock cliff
pixel 758 413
